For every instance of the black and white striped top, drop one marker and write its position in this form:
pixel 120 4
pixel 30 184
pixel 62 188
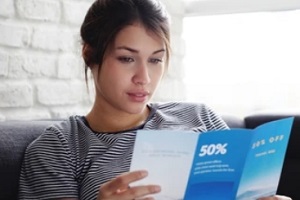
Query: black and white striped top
pixel 71 160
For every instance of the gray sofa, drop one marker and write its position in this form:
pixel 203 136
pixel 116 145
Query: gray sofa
pixel 16 135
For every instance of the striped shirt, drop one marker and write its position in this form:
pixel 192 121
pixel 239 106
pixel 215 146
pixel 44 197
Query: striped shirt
pixel 69 160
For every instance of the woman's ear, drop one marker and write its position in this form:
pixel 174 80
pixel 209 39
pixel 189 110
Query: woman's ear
pixel 87 54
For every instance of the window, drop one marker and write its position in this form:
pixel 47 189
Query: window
pixel 241 63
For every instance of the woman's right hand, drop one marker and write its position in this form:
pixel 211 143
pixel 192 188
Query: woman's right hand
pixel 118 188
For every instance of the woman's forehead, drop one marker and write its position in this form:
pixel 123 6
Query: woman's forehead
pixel 139 36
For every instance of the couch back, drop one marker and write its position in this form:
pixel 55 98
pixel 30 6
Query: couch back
pixel 15 136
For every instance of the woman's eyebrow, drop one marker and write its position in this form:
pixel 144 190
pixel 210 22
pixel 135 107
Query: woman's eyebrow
pixel 136 51
pixel 158 51
pixel 127 48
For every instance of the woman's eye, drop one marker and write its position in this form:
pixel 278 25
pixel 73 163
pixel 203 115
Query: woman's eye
pixel 125 59
pixel 155 60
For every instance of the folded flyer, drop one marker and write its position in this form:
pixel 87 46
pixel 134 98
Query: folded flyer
pixel 241 164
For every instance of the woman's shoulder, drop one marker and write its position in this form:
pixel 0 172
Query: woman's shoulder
pixel 67 126
pixel 188 114
pixel 62 131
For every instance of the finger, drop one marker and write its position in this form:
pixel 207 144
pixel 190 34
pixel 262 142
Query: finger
pixel 281 197
pixel 121 183
pixel 140 192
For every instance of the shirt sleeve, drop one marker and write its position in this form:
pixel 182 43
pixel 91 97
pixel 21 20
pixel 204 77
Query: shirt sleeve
pixel 48 168
pixel 211 119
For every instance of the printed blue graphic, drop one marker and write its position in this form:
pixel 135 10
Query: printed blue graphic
pixel 236 164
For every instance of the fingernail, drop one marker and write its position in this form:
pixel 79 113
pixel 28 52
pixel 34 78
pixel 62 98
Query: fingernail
pixel 144 173
pixel 156 189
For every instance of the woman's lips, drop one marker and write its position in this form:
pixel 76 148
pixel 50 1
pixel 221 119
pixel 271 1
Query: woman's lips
pixel 138 96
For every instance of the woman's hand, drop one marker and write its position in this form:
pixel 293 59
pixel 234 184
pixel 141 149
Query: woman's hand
pixel 276 197
pixel 118 188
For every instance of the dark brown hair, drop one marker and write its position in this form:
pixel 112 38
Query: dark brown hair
pixel 105 18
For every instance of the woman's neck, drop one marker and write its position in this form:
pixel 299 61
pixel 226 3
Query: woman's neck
pixel 101 120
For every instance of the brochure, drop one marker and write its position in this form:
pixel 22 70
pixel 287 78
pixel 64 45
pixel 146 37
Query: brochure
pixel 216 165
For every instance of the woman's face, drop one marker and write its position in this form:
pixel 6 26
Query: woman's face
pixel 131 70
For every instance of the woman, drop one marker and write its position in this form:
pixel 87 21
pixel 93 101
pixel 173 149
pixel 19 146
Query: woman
pixel 126 45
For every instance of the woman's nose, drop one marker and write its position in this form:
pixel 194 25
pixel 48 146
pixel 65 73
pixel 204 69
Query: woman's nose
pixel 141 75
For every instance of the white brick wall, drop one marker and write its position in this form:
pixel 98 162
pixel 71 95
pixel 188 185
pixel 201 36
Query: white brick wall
pixel 43 10
pixel 41 70
pixel 16 94
pixel 7 8
pixel 13 35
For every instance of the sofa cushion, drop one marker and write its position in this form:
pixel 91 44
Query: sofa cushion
pixel 15 136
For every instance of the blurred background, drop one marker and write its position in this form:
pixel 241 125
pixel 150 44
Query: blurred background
pixel 243 56
pixel 238 57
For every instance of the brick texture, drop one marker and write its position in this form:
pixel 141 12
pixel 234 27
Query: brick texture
pixel 7 9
